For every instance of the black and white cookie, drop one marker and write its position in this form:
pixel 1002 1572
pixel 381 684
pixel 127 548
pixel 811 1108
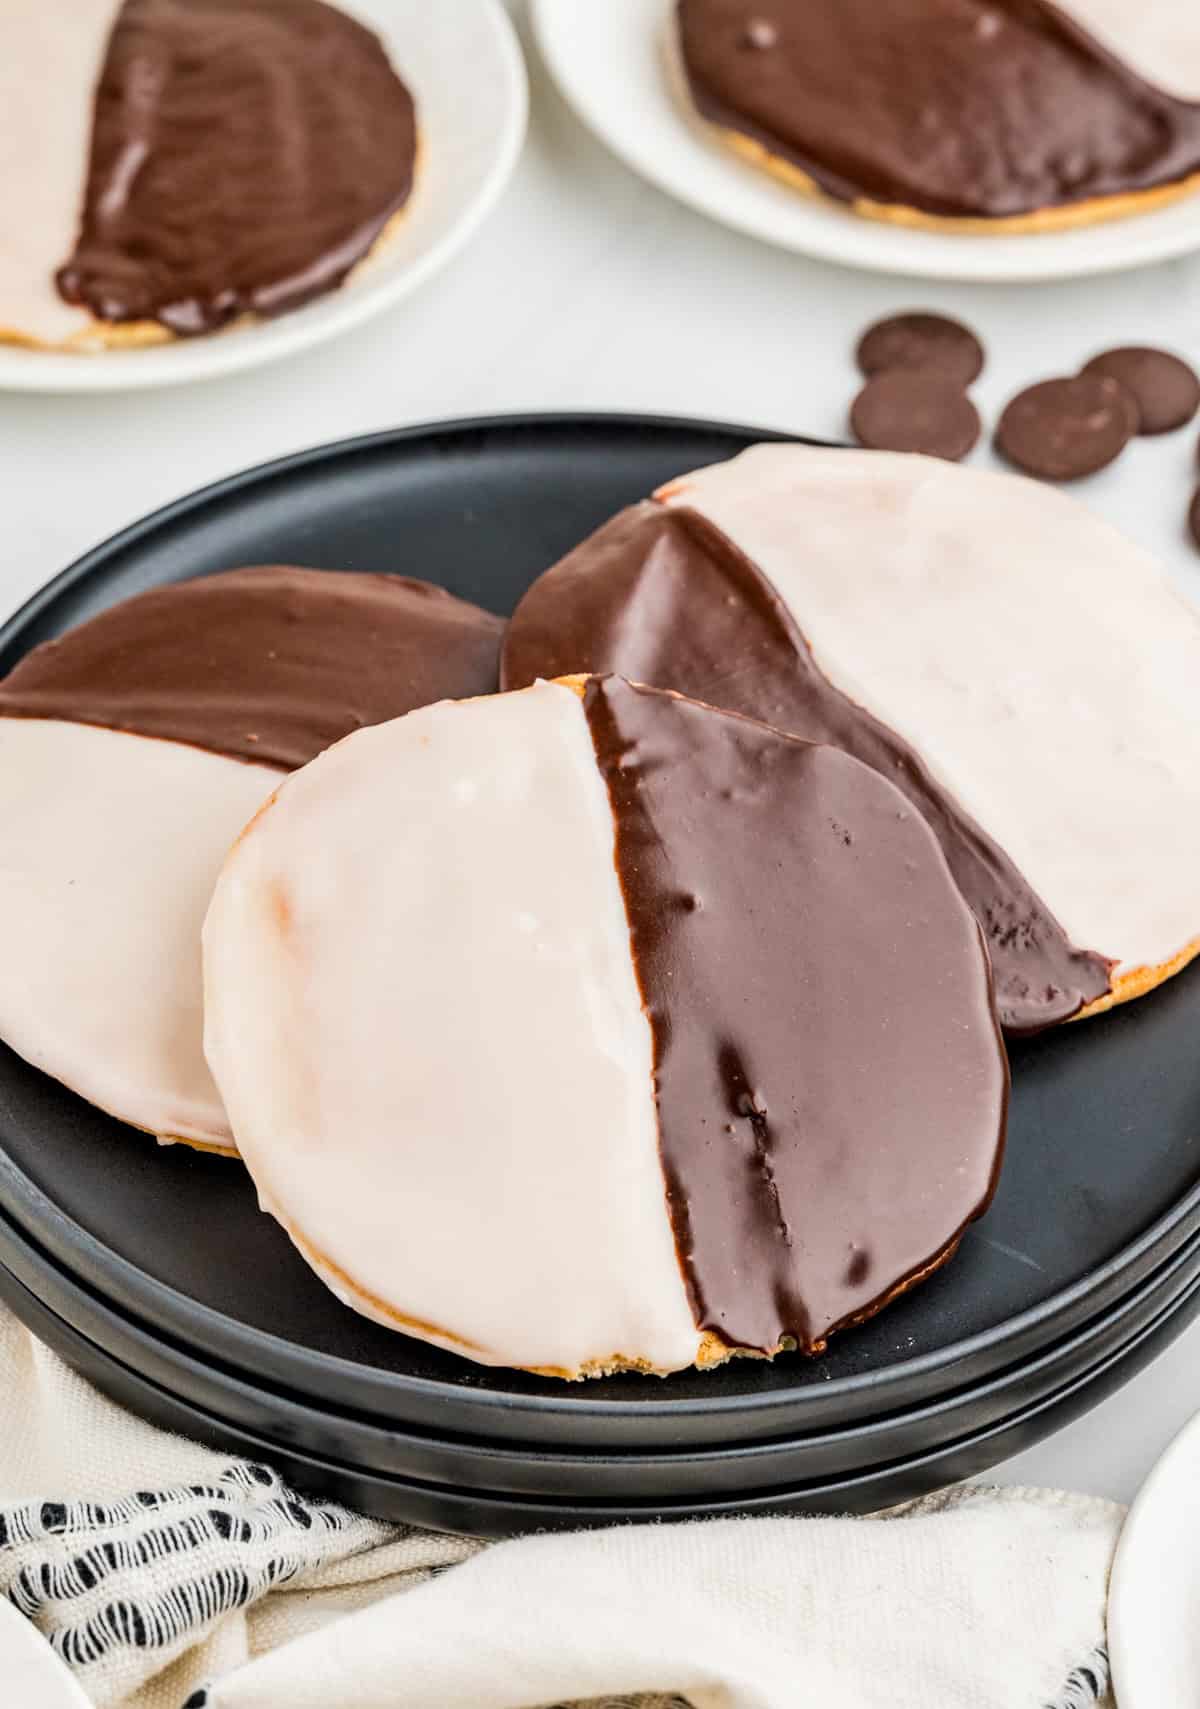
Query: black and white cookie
pixel 588 1028
pixel 1024 674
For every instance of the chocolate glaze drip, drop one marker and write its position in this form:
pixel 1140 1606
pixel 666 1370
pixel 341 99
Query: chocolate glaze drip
pixel 245 155
pixel 269 664
pixel 661 596
pixel 830 1083
pixel 958 108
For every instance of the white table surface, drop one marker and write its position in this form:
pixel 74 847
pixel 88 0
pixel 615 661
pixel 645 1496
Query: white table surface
pixel 590 290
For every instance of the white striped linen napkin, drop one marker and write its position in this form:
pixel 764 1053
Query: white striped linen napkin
pixel 168 1575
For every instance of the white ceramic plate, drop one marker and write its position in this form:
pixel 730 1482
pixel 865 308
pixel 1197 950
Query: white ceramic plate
pixel 31 1675
pixel 463 63
pixel 607 58
pixel 1154 1597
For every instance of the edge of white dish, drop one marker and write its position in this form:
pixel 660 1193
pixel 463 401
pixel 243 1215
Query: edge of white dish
pixel 32 1675
pixel 1154 1591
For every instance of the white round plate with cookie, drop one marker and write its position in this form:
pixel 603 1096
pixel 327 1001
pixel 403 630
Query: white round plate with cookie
pixel 462 61
pixel 609 62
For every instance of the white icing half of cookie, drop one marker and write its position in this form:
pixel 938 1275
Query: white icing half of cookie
pixel 109 848
pixel 1160 39
pixel 51 56
pixel 1039 662
pixel 423 1016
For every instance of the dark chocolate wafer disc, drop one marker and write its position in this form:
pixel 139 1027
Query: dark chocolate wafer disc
pixel 1063 429
pixel 904 410
pixel 1164 387
pixel 930 343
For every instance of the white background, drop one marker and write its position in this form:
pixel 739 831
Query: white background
pixel 589 290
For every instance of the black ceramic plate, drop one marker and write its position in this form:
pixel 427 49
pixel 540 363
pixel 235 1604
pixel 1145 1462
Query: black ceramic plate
pixel 742 1469
pixel 1104 1154
pixel 485 1513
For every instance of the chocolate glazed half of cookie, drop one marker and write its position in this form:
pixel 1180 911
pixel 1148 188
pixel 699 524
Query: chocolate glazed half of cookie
pixel 270 664
pixel 957 109
pixel 662 596
pixel 245 155
pixel 767 1106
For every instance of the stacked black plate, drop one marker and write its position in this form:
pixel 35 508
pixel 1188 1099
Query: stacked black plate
pixel 153 1271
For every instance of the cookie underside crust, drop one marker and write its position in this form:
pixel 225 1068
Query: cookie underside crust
pixel 1069 216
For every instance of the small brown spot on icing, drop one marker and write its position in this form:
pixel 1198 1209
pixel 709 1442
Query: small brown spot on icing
pixel 281 907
